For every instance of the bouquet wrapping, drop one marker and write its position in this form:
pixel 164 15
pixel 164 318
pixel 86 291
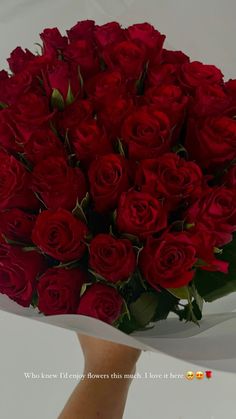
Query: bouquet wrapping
pixel 118 188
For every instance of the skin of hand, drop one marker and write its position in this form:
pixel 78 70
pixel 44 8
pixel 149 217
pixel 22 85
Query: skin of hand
pixel 102 398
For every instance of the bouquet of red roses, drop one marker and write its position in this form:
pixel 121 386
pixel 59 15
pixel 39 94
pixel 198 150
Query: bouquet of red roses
pixel 117 177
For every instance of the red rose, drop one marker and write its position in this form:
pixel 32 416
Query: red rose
pixel 73 114
pixel 159 74
pixel 17 225
pixel 41 144
pixel 8 134
pixel 64 78
pixel 83 53
pixel 12 88
pixel 82 30
pixel 212 142
pixel 112 113
pixel 174 57
pixel 147 35
pixel 168 261
pixel 113 259
pixel 18 273
pixel 19 59
pixel 31 112
pixel 171 178
pixel 229 178
pixel 60 235
pixel 109 33
pixel 169 99
pixel 108 176
pixel 102 302
pixel 59 290
pixel 53 40
pixel 146 133
pixel 15 185
pixel 89 140
pixel 105 85
pixel 209 100
pixel 196 74
pixel 230 87
pixel 140 214
pixel 216 210
pixel 126 56
pixel 59 185
pixel 204 242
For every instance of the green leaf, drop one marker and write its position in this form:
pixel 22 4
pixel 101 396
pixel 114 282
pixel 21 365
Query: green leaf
pixel 57 100
pixel 79 210
pixel 3 105
pixel 120 148
pixel 34 301
pixel 68 265
pixel 134 239
pixel 182 293
pixel 84 287
pixel 214 285
pixel 70 97
pixel 97 276
pixel 197 297
pixel 144 308
pixel 179 148
pixel 80 78
pixel 31 249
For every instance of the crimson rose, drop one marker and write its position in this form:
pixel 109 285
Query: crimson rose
pixel 109 176
pixel 127 56
pixel 17 225
pixel 168 260
pixel 59 290
pixel 15 185
pixel 113 259
pixel 102 302
pixel 60 235
pixel 140 214
pixel 196 74
pixel 146 133
pixel 216 210
pixel 108 34
pixel 59 185
pixel 41 144
pixel 171 178
pixel 89 140
pixel 212 142
pixel 18 273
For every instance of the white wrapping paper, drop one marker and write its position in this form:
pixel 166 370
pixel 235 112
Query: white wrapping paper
pixel 204 31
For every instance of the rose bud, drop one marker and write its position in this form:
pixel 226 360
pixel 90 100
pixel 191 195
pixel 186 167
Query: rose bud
pixel 42 144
